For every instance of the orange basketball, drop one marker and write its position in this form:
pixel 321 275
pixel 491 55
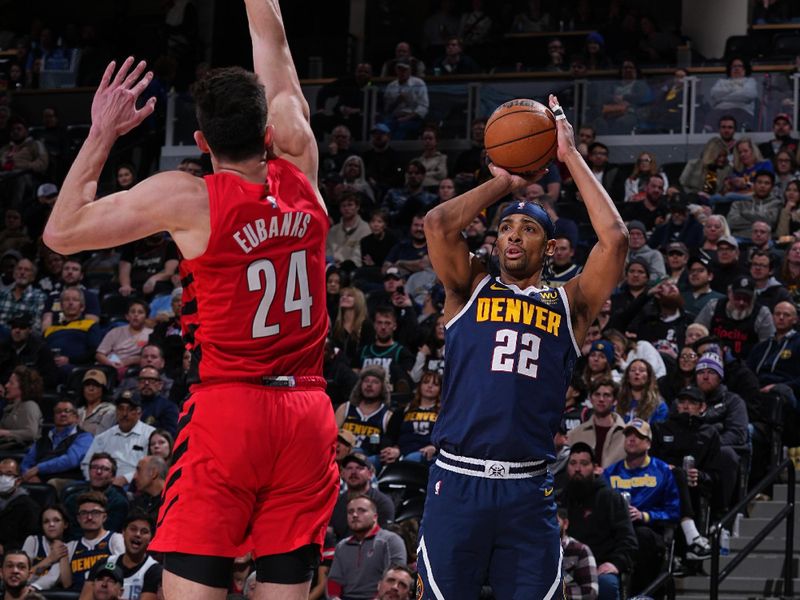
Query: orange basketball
pixel 521 136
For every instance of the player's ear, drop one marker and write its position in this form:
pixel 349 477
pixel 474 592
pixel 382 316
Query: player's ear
pixel 269 136
pixel 550 248
pixel 201 142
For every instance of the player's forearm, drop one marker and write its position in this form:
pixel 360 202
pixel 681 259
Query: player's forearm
pixel 605 219
pixel 452 217
pixel 272 59
pixel 79 189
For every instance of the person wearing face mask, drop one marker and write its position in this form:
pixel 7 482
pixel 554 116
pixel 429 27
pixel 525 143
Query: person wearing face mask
pixel 19 513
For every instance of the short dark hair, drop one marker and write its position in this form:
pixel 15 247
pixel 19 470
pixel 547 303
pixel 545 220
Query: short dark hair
pixel 15 552
pixel 193 161
pixel 134 301
pixel 581 448
pixel 764 254
pixel 418 164
pixel 138 515
pixel 603 382
pixel 367 498
pixel 727 118
pixel 106 456
pixel 231 108
pixel 386 311
pixel 594 145
pixel 92 497
pixel 765 173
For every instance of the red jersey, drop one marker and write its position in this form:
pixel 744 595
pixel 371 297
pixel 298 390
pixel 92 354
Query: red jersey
pixel 260 285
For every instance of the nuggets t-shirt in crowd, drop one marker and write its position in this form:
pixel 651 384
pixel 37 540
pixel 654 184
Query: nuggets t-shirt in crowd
pixel 148 257
pixel 260 285
pixel 510 354
pixel 89 552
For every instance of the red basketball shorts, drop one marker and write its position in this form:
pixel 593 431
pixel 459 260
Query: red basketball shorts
pixel 254 470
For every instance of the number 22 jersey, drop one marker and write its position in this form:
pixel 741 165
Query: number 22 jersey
pixel 260 284
pixel 510 354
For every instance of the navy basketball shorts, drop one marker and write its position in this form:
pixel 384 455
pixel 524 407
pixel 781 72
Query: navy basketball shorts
pixel 477 529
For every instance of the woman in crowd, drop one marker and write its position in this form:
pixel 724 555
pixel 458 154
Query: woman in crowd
pixel 733 95
pixel 705 176
pixel 790 271
pixel 694 332
pixel 352 173
pixel 125 177
pixel 446 190
pixel 48 552
pixel 598 363
pixel 747 162
pixel 639 396
pixel 430 356
pixel 645 168
pixel 684 374
pixel 375 247
pixel 352 327
pixel 435 161
pixel 785 170
pixel 626 350
pixel 408 434
pixel 333 286
pixel 96 415
pixel 789 218
pixel 21 424
pixel 715 228
pixel 161 444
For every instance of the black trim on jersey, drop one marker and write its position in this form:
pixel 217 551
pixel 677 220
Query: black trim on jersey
pixel 190 308
pixel 184 420
pixel 187 281
pixel 180 451
pixel 167 509
pixel 172 479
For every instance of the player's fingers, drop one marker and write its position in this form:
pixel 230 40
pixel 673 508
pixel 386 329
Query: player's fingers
pixel 106 78
pixel 142 85
pixel 134 75
pixel 146 110
pixel 123 71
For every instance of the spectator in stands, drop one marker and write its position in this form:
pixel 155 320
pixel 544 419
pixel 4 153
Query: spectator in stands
pixel 146 266
pixel 699 292
pixel 71 276
pixel 344 238
pixel 21 160
pixel 384 167
pixel 435 161
pixel 352 327
pixel 769 290
pixel 562 265
pixel 150 478
pixel 790 271
pixel 402 51
pixel 638 250
pixel 739 319
pixel 107 581
pixel 405 103
pixel 626 350
pixel 649 206
pixel 683 375
pixel 727 267
pixel 638 396
pixel 357 473
pixel 662 320
pixel 16 572
pixel 403 203
pixel 734 95
pixel 680 227
pixel 763 205
pixel 789 217
pixel 157 410
pixel 125 177
pixel 366 414
pixel 19 513
pixel 430 356
pixel 37 213
pixel 645 167
pixel 96 415
pixel 598 517
pixel 634 287
pixel 51 273
pixel 761 240
pixel 347 109
pixel 785 170
pixel 578 564
pixel 774 361
pixel 24 348
pixel 22 298
pixel 127 441
pixel 747 163
pixel 193 166
pixel 57 455
pixel 152 355
pixel 14 235
pixel 96 542
pixel 102 471
pixel 454 61
pixel 714 229
pixel 339 148
pixel 21 423
pixel 694 332
pixel 411 254
pixel 654 499
pixel 602 432
pixel 606 174
pixel 598 362
pixel 387 353
pixel 656 46
pixel 376 246
pixel 556 61
pixel 677 259
pixel 354 178
pixel 408 434
pixel 73 339
pixel 361 559
pixel 121 346
pixel 161 443
pixel 397 584
pixel 48 552
pixel 782 138
pixel 706 175
pixel 56 141
pixel 624 103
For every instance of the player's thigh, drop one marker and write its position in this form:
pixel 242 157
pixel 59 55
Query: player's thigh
pixel 277 591
pixel 456 535
pixel 526 562
pixel 178 588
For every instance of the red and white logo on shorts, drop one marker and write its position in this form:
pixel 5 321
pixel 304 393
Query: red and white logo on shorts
pixel 437 487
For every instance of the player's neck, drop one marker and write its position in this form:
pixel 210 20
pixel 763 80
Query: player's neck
pixel 522 283
pixel 253 170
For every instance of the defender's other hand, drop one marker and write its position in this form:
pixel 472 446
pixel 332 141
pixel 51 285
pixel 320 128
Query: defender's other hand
pixel 114 111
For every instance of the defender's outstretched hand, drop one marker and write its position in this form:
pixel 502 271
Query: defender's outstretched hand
pixel 566 136
pixel 114 109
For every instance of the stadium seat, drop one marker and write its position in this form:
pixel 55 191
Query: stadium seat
pixel 44 493
pixel 403 480
pixel 409 509
pixel 740 45
pixel 78 486
pixel 786 45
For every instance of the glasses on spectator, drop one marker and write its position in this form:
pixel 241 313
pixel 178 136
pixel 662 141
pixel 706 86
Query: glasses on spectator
pixel 63 411
pixel 94 513
pixel 688 355
pixel 644 159
pixel 674 253
pixel 758 266
pixel 784 159
pixel 100 468
pixel 697 270
pixel 149 379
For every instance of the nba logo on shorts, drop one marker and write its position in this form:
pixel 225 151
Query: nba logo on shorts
pixel 438 487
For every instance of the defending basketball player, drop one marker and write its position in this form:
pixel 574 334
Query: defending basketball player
pixel 254 455
pixel 511 345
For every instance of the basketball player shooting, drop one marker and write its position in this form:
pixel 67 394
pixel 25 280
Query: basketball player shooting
pixel 511 345
pixel 254 455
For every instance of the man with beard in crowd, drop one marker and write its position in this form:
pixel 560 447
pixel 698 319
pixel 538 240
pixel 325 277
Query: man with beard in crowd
pixel 16 573
pixel 648 206
pixel 157 410
pixel 739 321
pixel 357 473
pixel 727 268
pixel 661 320
pixel 397 583
pixel 700 292
pixel 769 291
pixel 598 517
pixel 639 250
pixel 603 430
pixel 782 138
pixel 562 267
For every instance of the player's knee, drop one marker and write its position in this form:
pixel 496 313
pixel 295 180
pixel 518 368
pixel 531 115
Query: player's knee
pixel 297 566
pixel 213 571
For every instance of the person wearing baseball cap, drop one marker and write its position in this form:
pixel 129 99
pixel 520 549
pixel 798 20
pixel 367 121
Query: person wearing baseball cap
pixel 726 267
pixel 639 250
pixel 107 580
pixel 782 140
pixel 654 499
pixel 699 277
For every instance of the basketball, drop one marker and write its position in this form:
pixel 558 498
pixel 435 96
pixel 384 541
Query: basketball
pixel 520 136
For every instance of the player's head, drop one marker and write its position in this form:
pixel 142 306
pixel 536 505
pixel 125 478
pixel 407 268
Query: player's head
pixel 231 109
pixel 525 237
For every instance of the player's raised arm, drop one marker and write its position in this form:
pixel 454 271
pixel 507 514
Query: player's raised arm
pixel 287 109
pixel 447 248
pixel 603 268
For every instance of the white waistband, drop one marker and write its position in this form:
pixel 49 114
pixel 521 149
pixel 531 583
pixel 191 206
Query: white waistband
pixel 492 469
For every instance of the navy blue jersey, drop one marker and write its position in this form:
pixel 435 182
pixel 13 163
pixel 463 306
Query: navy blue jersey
pixel 510 354
pixel 368 429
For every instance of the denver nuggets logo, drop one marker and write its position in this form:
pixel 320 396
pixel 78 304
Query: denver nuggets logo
pixel 497 470
pixel 420 587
